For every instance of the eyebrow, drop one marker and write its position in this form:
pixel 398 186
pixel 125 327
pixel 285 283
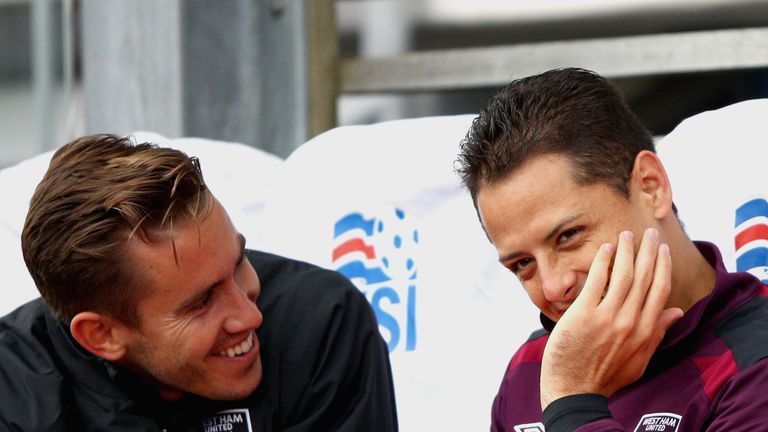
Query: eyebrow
pixel 203 293
pixel 241 240
pixel 556 229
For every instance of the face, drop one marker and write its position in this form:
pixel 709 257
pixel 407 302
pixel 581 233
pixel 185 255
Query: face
pixel 198 317
pixel 547 228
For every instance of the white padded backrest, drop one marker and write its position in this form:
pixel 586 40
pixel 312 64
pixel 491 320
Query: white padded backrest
pixel 716 162
pixel 238 175
pixel 382 204
pixel 18 184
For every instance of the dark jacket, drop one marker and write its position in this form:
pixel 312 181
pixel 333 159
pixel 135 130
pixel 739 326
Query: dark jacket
pixel 325 366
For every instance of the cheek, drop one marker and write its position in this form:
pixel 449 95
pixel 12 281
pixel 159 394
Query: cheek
pixel 587 258
pixel 204 333
pixel 195 336
pixel 581 260
pixel 535 294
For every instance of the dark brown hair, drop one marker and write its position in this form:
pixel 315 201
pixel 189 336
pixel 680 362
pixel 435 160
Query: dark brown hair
pixel 571 112
pixel 98 193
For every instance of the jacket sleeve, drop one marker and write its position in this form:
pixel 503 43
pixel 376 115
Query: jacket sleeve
pixel 334 365
pixel 582 412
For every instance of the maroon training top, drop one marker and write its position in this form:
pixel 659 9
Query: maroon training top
pixel 709 374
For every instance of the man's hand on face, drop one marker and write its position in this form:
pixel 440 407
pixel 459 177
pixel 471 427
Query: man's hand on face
pixel 606 338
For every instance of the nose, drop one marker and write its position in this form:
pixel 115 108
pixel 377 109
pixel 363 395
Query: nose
pixel 242 313
pixel 557 283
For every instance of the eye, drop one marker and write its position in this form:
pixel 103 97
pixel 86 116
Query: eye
pixel 522 268
pixel 568 234
pixel 203 302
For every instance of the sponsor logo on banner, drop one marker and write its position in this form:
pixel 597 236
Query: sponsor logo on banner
pixel 530 427
pixel 234 420
pixel 752 238
pixel 662 422
pixel 377 252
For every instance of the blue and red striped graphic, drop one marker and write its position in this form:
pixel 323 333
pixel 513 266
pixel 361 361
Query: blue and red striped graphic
pixel 378 255
pixel 751 238
pixel 356 254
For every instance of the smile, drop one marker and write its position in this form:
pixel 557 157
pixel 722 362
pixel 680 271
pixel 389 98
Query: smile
pixel 239 349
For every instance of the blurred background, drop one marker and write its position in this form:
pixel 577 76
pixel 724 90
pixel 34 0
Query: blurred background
pixel 274 73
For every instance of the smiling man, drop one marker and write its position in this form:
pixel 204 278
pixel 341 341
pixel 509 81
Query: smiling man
pixel 154 315
pixel 643 328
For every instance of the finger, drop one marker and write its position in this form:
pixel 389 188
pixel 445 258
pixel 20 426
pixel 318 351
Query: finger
pixel 622 273
pixel 659 291
pixel 597 278
pixel 645 267
pixel 667 319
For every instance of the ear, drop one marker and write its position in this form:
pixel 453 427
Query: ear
pixel 651 184
pixel 100 335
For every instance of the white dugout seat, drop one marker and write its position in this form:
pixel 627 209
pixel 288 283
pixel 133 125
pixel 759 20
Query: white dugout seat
pixel 382 204
pixel 716 162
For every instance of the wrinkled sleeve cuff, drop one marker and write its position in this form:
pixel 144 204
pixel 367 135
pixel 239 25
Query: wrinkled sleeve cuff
pixel 571 412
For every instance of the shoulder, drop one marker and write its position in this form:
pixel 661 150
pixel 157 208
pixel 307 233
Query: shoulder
pixel 738 399
pixel 531 352
pixel 300 285
pixel 304 301
pixel 276 268
pixel 27 362
pixel 517 400
pixel 745 331
pixel 524 368
pixel 23 333
pixel 740 349
pixel 322 353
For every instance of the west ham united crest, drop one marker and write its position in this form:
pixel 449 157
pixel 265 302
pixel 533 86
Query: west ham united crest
pixel 663 422
pixel 530 427
pixel 234 420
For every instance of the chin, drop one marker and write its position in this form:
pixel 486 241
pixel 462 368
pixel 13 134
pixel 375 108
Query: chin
pixel 554 317
pixel 228 393
pixel 244 391
pixel 236 391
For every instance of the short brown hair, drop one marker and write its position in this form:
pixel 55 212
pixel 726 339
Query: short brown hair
pixel 98 192
pixel 572 112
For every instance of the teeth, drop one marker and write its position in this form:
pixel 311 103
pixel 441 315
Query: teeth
pixel 239 349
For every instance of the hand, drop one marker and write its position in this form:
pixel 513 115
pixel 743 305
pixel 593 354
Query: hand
pixel 606 338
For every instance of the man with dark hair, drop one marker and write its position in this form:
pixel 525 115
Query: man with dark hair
pixel 151 312
pixel 643 328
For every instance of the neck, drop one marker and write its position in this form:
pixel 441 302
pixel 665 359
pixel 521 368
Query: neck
pixel 693 278
pixel 166 393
